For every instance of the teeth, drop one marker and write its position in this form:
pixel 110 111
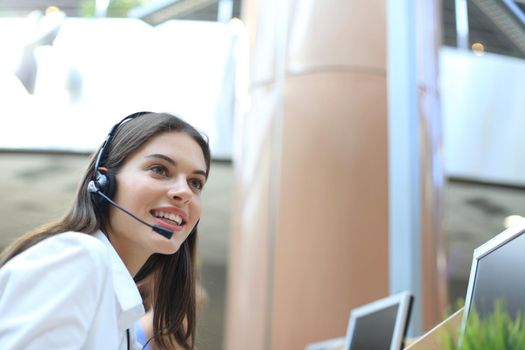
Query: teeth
pixel 169 216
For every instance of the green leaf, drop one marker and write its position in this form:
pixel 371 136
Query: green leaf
pixel 497 331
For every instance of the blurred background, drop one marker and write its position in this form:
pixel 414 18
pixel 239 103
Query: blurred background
pixel 70 69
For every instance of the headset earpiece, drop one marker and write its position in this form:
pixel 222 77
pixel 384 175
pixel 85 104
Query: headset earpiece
pixel 106 183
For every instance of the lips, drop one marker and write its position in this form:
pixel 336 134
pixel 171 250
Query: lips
pixel 170 217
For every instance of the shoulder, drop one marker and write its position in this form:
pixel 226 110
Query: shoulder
pixel 70 261
pixel 75 241
pixel 72 248
pixel 74 238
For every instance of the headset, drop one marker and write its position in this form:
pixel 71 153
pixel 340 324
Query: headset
pixel 104 185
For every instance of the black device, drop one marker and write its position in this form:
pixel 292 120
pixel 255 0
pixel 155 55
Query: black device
pixel 104 184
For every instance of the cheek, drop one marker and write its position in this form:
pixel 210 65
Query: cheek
pixel 196 209
pixel 134 193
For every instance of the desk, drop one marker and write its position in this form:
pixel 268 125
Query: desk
pixel 432 339
pixel 330 344
pixel 428 341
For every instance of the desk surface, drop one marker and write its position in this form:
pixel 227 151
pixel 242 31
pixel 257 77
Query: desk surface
pixel 428 341
pixel 433 338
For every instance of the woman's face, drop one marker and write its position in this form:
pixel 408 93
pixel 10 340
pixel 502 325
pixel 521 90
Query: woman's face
pixel 161 183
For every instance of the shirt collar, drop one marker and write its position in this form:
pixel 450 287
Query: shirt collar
pixel 129 301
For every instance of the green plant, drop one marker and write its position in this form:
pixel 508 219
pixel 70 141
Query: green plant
pixel 497 331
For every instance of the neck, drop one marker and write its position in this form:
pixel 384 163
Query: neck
pixel 133 259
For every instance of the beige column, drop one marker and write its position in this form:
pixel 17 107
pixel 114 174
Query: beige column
pixel 310 216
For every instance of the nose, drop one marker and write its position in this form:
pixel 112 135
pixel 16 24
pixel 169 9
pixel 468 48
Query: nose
pixel 179 190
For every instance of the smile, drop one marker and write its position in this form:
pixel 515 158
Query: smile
pixel 170 217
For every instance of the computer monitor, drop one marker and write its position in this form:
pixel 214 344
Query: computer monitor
pixel 380 325
pixel 497 274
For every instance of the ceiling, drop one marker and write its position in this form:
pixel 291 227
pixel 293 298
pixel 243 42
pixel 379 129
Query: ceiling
pixel 498 24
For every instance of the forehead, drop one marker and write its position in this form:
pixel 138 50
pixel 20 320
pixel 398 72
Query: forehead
pixel 177 145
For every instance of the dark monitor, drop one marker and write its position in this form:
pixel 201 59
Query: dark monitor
pixel 497 275
pixel 380 325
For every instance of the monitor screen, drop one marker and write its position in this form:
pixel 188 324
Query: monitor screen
pixel 374 330
pixel 499 276
pixel 380 325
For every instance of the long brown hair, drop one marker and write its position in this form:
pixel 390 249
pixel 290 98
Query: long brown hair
pixel 172 276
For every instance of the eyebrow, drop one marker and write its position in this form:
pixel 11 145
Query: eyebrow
pixel 174 163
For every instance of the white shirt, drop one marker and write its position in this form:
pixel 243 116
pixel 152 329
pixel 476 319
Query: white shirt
pixel 70 291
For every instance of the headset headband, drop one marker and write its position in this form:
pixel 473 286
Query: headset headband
pixel 102 150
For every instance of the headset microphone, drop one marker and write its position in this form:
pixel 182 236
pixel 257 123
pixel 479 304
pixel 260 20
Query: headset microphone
pixel 92 188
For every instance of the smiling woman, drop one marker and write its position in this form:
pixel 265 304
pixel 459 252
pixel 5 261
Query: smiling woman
pixel 146 179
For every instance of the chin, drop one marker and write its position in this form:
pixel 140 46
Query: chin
pixel 169 248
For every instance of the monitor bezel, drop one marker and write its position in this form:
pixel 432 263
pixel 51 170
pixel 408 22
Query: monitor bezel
pixel 404 302
pixel 483 250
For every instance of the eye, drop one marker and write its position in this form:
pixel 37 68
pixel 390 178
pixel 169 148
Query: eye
pixel 196 184
pixel 159 170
